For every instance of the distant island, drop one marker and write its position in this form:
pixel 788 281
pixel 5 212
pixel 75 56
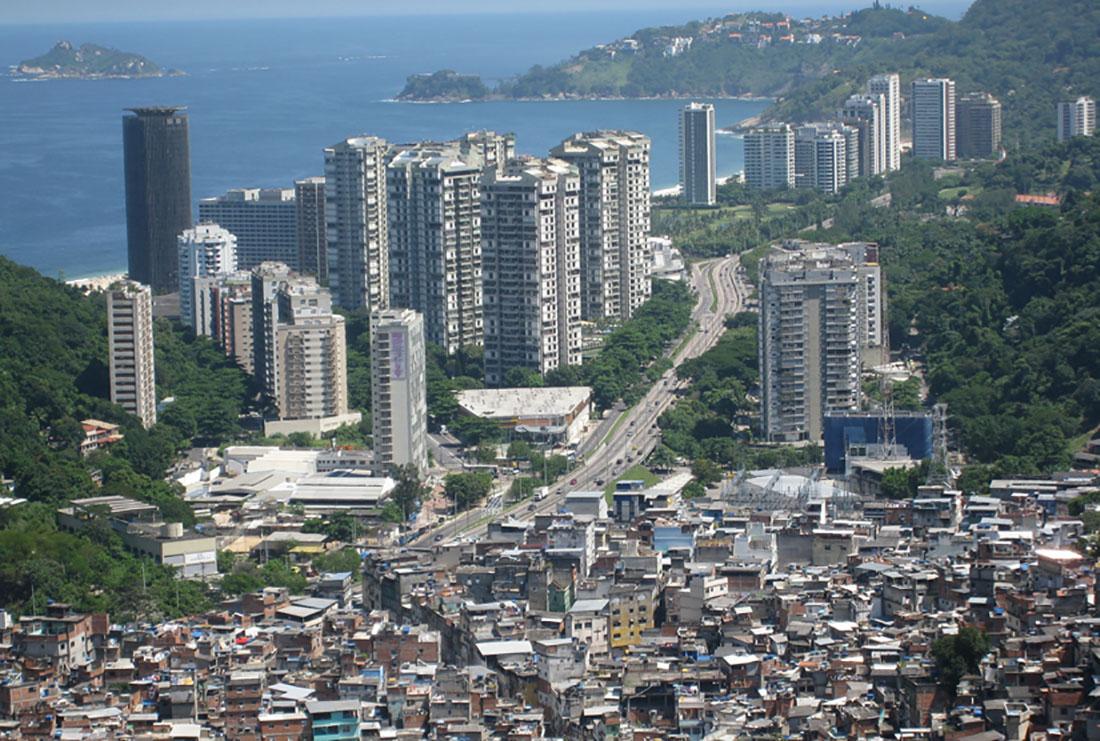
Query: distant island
pixel 89 62
pixel 811 65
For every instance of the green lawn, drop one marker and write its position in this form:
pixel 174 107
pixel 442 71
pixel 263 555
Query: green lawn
pixel 951 194
pixel 637 472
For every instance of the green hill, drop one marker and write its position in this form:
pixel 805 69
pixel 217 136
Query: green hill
pixel 88 61
pixel 1028 54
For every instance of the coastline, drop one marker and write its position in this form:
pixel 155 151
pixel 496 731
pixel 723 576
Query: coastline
pixel 98 282
pixel 564 97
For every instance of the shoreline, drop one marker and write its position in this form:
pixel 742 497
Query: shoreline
pixel 494 98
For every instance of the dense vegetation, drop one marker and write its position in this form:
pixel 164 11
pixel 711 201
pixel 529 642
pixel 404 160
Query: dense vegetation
pixel 444 84
pixel 88 60
pixel 1028 54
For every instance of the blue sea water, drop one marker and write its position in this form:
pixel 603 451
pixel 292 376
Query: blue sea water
pixel 266 96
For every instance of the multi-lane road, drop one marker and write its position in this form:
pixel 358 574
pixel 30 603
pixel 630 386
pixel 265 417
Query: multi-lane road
pixel 720 293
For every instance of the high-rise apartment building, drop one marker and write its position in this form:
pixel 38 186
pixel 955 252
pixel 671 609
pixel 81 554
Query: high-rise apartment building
pixel 225 314
pixel 309 205
pixel 978 125
pixel 614 220
pixel 299 351
pixel 698 165
pixel 1076 118
pixel 866 114
pixel 811 339
pixel 205 251
pixel 356 227
pixel 491 149
pixel 130 350
pixel 769 157
pixel 823 155
pixel 530 236
pixel 889 87
pixel 399 408
pixel 933 107
pixel 434 216
pixel 264 220
pixel 157 163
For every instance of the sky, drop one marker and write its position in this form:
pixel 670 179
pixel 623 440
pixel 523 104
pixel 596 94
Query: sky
pixel 80 11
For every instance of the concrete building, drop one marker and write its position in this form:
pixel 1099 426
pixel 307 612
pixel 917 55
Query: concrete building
pixel 978 126
pixel 933 108
pixel 356 230
pixel 889 87
pixel 1076 118
pixel 157 164
pixel 224 312
pixel 557 414
pixel 399 411
pixel 614 220
pixel 866 114
pixel 309 206
pixel 823 154
pixel 698 165
pixel 205 251
pixel 434 214
pixel 130 349
pixel 299 352
pixel 769 157
pixel 264 220
pixel 810 342
pixel 531 267
pixel 491 149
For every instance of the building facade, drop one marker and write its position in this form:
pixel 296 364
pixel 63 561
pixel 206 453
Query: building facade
pixel 531 265
pixel 866 114
pixel 399 411
pixel 205 251
pixel 1076 118
pixel 823 155
pixel 889 87
pixel 769 158
pixel 698 166
pixel 614 217
pixel 264 220
pixel 810 342
pixel 357 236
pixel 933 108
pixel 157 165
pixel 978 125
pixel 434 215
pixel 309 206
pixel 130 350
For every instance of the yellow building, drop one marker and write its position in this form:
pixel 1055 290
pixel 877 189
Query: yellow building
pixel 630 610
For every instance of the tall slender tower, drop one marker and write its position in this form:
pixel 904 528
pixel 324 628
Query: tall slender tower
pixel 769 157
pixel 531 263
pixel 866 114
pixel 399 408
pixel 614 220
pixel 130 350
pixel 157 163
pixel 933 105
pixel 1076 118
pixel 889 87
pixel 309 201
pixel 698 166
pixel 434 214
pixel 355 217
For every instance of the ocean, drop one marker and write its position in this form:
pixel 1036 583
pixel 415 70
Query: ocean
pixel 266 96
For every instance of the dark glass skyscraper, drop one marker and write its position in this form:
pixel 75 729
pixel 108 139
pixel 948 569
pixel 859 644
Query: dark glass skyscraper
pixel 158 193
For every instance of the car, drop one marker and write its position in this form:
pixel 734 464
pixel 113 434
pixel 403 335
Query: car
pixel 599 482
pixel 572 482
pixel 438 537
pixel 531 507
pixel 619 462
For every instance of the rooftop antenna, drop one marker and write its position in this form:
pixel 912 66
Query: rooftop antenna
pixel 889 420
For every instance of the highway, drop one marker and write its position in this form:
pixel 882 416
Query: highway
pixel 720 293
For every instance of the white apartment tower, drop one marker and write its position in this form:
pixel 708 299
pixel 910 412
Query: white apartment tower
pixel 1076 118
pixel 300 351
pixel 866 114
pixel 205 251
pixel 810 342
pixel 357 237
pixel 399 407
pixel 614 220
pixel 823 154
pixel 530 236
pixel 130 350
pixel 933 108
pixel 263 220
pixel 769 157
pixel 698 165
pixel 889 87
pixel 434 215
